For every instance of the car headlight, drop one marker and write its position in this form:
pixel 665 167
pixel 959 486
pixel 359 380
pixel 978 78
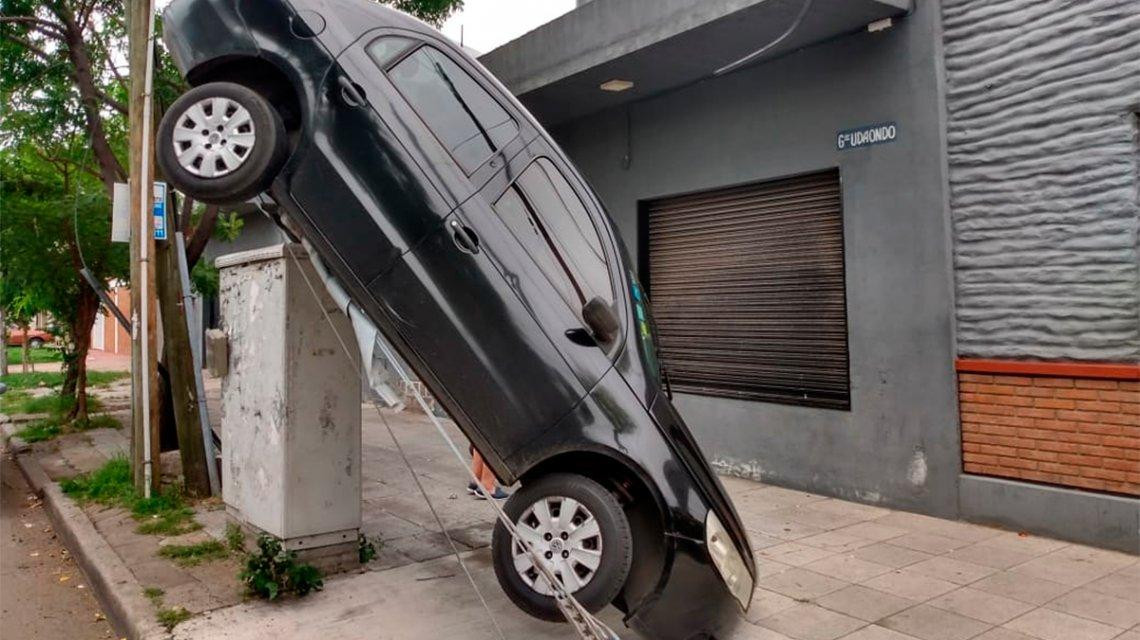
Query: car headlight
pixel 728 561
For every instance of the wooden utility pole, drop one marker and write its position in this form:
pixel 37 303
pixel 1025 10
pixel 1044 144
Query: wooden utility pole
pixel 144 369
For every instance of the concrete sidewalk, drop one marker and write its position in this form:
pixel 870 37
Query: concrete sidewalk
pixel 828 569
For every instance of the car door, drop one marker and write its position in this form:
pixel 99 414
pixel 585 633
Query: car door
pixel 560 261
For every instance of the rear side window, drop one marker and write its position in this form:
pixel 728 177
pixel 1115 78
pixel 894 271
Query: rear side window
pixel 461 113
pixel 548 218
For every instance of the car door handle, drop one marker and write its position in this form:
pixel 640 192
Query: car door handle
pixel 350 92
pixel 464 237
pixel 581 337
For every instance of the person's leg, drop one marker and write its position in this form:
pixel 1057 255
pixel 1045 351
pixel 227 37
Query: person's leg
pixel 483 472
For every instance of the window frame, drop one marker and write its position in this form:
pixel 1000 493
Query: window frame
pixel 609 251
pixel 417 44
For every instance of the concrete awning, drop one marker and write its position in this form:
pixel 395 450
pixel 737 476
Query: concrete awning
pixel 556 70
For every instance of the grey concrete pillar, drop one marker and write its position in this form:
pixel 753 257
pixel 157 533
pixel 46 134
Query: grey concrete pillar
pixel 291 402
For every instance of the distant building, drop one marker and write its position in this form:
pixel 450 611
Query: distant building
pixel 894 259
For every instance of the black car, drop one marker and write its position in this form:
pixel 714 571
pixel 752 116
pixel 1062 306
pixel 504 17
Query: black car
pixel 456 224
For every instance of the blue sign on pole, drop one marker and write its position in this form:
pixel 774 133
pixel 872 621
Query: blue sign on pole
pixel 160 211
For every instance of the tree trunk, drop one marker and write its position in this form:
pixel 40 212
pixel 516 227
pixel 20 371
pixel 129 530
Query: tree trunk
pixel 180 366
pixel 85 314
pixel 3 345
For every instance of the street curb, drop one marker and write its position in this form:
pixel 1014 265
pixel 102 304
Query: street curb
pixel 111 581
pixel 15 443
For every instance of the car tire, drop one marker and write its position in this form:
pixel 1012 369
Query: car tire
pixel 36 343
pixel 593 587
pixel 221 143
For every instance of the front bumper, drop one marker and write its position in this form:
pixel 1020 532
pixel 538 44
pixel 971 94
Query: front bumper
pixel 694 602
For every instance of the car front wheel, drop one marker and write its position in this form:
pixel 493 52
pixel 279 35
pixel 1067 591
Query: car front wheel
pixel 579 532
pixel 36 343
pixel 221 143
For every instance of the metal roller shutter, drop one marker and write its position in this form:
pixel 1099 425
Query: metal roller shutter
pixel 747 286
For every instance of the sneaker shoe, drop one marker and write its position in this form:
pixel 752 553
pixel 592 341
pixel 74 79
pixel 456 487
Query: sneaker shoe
pixel 472 488
pixel 499 494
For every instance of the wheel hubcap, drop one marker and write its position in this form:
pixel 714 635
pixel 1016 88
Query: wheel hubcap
pixel 567 539
pixel 214 137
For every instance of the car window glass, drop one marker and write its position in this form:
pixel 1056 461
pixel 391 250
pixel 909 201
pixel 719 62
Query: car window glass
pixel 549 220
pixel 465 118
pixel 384 50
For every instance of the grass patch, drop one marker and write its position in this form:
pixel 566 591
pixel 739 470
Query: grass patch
pixel 190 555
pixel 154 594
pixel 36 356
pixel 53 379
pixel 172 617
pixel 112 485
pixel 49 428
pixel 235 538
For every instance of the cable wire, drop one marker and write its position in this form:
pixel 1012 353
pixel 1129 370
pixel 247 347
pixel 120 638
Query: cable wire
pixel 762 50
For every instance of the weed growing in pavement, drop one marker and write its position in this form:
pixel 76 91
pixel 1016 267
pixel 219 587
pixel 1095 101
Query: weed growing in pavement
pixel 154 594
pixel 366 548
pixel 271 571
pixel 172 616
pixel 190 555
pixel 235 538
pixel 112 485
pixel 49 428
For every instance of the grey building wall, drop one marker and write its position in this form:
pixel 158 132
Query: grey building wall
pixel 898 445
pixel 1044 160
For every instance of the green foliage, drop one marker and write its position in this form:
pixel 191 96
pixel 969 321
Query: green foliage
pixel 228 227
pixel 49 428
pixel 112 485
pixel 53 379
pixel 271 571
pixel 35 356
pixel 235 538
pixel 366 548
pixel 154 594
pixel 189 555
pixel 433 12
pixel 172 616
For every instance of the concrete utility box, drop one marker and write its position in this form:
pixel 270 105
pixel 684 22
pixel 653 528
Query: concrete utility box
pixel 291 402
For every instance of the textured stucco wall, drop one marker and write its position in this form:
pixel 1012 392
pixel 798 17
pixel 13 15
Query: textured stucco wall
pixel 1041 98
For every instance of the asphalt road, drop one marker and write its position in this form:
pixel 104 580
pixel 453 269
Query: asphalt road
pixel 43 594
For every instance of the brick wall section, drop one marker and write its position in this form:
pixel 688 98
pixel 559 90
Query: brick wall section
pixel 1074 432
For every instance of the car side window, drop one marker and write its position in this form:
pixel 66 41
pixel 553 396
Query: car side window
pixel 461 113
pixel 548 218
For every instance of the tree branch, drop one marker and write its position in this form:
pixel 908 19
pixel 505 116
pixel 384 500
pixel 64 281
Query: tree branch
pixel 45 27
pixel 196 245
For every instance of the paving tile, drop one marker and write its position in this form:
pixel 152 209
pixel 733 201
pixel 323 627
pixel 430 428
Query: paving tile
pixel 910 585
pixel 794 553
pixel 872 530
pixel 864 603
pixel 801 584
pixel 1086 603
pixel 777 526
pixel 1072 565
pixel 194 597
pixel 997 557
pixel 930 623
pixel 931 543
pixel 810 515
pixel 144 549
pixel 160 573
pixel 1121 584
pixel 811 622
pixel 937 526
pixel 875 632
pixel 890 555
pixel 761 541
pixel 753 632
pixel 769 499
pixel 836 541
pixel 950 570
pixel 1001 633
pixel 766 567
pixel 845 509
pixel 1021 587
pixel 980 605
pixel 1054 625
pixel 1024 543
pixel 767 603
pixel 737 487
pixel 1134 634
pixel 848 567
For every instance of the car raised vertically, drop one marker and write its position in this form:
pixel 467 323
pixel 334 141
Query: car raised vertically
pixel 455 223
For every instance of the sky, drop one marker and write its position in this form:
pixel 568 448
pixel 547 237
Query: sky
pixel 490 23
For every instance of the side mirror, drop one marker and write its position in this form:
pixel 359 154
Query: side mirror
pixel 601 320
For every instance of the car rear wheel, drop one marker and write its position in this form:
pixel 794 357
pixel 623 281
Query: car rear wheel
pixel 579 532
pixel 221 143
